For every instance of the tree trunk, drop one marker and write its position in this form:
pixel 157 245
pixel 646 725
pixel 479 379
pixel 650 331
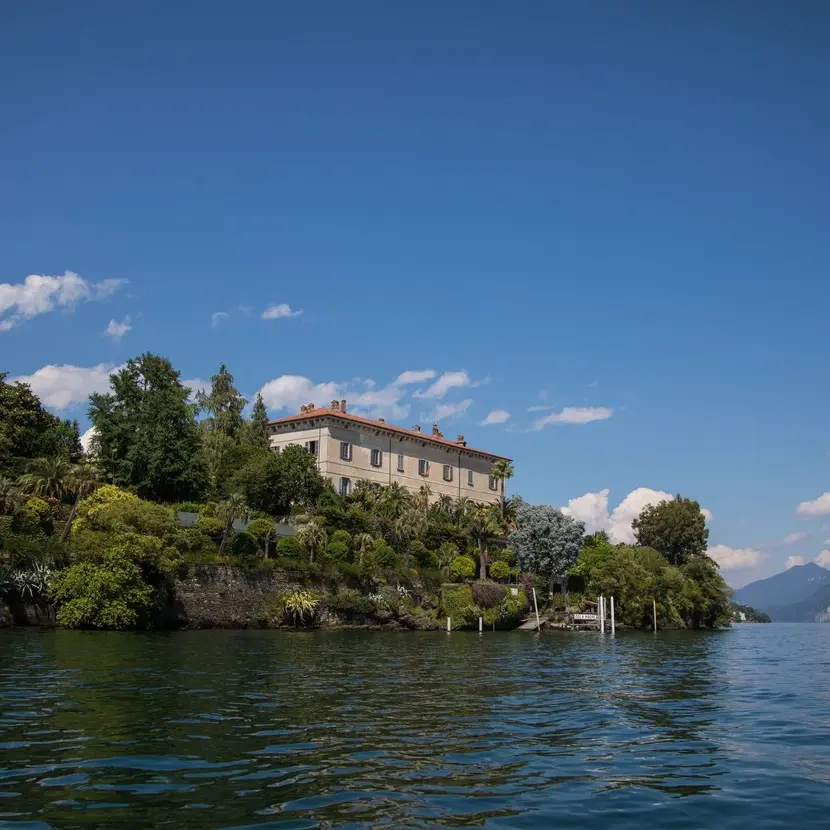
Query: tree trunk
pixel 68 526
pixel 224 540
pixel 482 561
pixel 267 543
pixel 502 500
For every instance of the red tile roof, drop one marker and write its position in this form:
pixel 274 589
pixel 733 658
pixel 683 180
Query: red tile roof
pixel 347 416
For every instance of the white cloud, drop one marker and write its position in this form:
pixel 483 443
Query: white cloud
pixel 86 438
pixel 217 317
pixel 817 507
pixel 380 403
pixel 823 559
pixel 447 381
pixel 61 386
pixel 707 514
pixel 575 415
pixel 497 416
pixel 732 559
pixel 196 385
pixel 276 312
pixel 792 538
pixel 794 561
pixel 39 294
pixel 592 509
pixel 446 410
pixel 292 391
pixel 414 376
pixel 117 330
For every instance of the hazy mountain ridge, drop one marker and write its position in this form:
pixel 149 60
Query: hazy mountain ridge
pixel 799 594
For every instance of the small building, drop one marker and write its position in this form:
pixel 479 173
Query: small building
pixel 349 448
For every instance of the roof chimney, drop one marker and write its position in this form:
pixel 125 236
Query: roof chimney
pixel 335 405
pixel 416 428
pixel 460 440
pixel 381 420
pixel 435 431
pixel 343 405
pixel 310 407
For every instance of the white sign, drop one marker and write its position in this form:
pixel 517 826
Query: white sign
pixel 585 617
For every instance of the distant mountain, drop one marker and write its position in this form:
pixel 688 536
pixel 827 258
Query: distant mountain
pixel 815 608
pixel 787 588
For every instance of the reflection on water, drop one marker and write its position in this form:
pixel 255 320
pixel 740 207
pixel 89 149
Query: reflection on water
pixel 272 729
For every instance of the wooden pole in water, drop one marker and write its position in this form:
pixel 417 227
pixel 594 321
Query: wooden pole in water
pixel 613 621
pixel 654 611
pixel 536 606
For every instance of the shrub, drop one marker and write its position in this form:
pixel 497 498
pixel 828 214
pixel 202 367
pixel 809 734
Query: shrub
pixel 350 601
pixel 463 568
pixel 291 548
pixel 210 525
pixel 244 546
pixel 500 570
pixel 101 499
pixel 385 556
pixel 342 536
pixel 422 556
pixel 112 593
pixel 300 607
pixel 503 555
pixel 189 507
pixel 260 528
pixel 33 517
pixel 457 603
pixel 487 594
pixel 196 547
pixel 337 552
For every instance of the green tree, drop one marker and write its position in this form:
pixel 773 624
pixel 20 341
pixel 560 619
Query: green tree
pixel 362 543
pixel 146 432
pixel 676 528
pixel 447 554
pixel 223 404
pixel 218 450
pixel 10 496
pixel 256 430
pixel 313 538
pixel 484 526
pixel 502 471
pixel 300 479
pixel 411 524
pixel 259 479
pixel 81 481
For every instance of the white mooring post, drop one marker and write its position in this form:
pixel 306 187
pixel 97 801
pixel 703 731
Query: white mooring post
pixel 449 624
pixel 480 625
pixel 536 606
pixel 599 612
pixel 613 621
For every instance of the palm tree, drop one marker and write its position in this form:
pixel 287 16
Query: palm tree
pixel 10 495
pixel 365 494
pixel 502 470
pixel 46 478
pixel 229 510
pixel 393 500
pixel 363 543
pixel 424 493
pixel 410 525
pixel 447 554
pixel 82 480
pixel 313 537
pixel 483 525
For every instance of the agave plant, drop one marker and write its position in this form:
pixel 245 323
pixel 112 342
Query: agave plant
pixel 403 591
pixel 32 583
pixel 301 606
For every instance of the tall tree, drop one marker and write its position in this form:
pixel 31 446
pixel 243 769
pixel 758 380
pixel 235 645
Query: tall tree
pixel 82 480
pixel 313 537
pixel 502 470
pixel 223 404
pixel 229 510
pixel 301 481
pixel 256 430
pixel 676 528
pixel 411 524
pixel 483 525
pixel 546 541
pixel 146 432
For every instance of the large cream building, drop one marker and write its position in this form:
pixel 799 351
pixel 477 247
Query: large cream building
pixel 349 448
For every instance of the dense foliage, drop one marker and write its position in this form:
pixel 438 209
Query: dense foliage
pixel 677 528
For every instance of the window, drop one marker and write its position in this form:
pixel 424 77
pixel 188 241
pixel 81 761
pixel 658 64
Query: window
pixel 469 478
pixel 492 483
pixel 447 472
pixel 312 447
pixel 345 451
pixel 377 458
pixel 400 463
pixel 345 486
pixel 423 467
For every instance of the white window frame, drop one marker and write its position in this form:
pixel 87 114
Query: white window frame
pixel 376 454
pixel 492 483
pixel 400 462
pixel 448 472
pixel 423 467
pixel 470 479
pixel 345 487
pixel 345 451
pixel 316 451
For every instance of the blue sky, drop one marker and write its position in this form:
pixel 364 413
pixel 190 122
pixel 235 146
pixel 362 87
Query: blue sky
pixel 618 211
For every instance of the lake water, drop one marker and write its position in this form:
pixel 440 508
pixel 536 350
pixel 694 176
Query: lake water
pixel 301 730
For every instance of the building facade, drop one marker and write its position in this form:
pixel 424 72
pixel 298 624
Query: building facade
pixel 349 448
